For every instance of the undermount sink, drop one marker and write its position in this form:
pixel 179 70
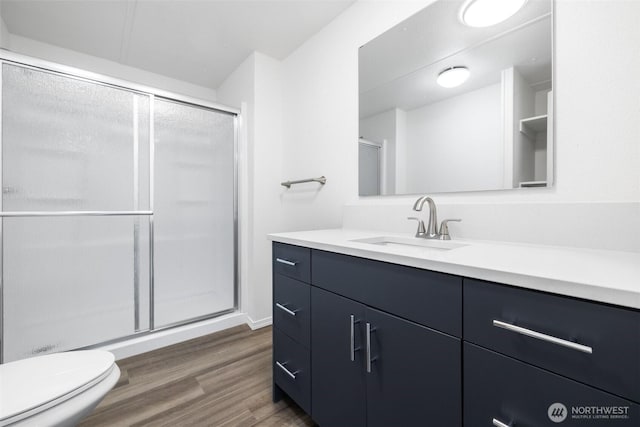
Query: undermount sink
pixel 415 242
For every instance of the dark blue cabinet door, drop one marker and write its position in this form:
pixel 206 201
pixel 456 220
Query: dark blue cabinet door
pixel 415 377
pixel 517 394
pixel 338 388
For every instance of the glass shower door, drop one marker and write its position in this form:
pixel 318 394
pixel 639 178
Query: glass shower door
pixel 75 175
pixel 194 212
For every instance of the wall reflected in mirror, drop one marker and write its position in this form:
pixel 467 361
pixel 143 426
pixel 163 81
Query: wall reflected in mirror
pixel 493 131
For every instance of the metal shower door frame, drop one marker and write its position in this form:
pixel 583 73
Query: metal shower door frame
pixel 152 93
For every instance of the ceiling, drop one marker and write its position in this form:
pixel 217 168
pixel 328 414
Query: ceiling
pixel 200 42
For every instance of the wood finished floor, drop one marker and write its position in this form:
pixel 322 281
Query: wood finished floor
pixel 223 379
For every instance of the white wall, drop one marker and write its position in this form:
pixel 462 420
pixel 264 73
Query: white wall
pixel 401 151
pixel 597 131
pixel 462 133
pixel 320 109
pixel 257 83
pixel 94 64
pixel 541 102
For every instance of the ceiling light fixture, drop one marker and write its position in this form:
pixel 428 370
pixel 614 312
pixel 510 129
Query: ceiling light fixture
pixel 484 13
pixel 453 76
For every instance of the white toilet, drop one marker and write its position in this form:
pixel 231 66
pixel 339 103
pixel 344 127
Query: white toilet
pixel 55 390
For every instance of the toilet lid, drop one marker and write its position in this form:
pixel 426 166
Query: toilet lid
pixel 30 385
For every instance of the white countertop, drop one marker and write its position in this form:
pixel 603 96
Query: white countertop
pixel 605 276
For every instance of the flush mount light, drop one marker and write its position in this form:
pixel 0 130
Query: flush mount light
pixel 453 76
pixel 484 13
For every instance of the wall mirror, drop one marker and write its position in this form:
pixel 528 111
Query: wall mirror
pixel 423 131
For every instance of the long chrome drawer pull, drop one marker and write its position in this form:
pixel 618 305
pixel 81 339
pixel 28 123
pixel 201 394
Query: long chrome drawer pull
pixel 353 349
pixel 368 337
pixel 498 423
pixel 285 309
pixel 543 337
pixel 286 371
pixel 286 262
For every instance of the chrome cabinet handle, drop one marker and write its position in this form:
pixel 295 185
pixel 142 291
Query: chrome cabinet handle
pixel 498 423
pixel 286 371
pixel 543 337
pixel 286 262
pixel 285 309
pixel 352 348
pixel 368 337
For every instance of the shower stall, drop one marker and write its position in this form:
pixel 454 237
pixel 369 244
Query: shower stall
pixel 118 208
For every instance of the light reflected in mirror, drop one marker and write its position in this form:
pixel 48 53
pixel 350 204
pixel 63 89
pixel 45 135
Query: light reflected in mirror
pixel 493 131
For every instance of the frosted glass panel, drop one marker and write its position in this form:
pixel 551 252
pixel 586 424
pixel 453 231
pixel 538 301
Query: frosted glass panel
pixel 194 212
pixel 69 144
pixel 70 282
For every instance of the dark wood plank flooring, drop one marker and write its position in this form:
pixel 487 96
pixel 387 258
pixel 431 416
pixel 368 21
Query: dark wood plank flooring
pixel 223 379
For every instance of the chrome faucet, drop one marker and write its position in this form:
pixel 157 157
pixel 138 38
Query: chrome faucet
pixel 431 231
pixel 432 226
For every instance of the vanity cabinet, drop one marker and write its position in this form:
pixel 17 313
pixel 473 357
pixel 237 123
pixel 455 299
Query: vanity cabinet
pixel 371 343
pixel 371 368
pixel 383 346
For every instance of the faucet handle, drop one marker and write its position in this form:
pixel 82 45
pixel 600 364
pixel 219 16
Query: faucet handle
pixel 444 228
pixel 421 230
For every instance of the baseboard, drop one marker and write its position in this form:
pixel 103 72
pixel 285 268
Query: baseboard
pixel 155 340
pixel 257 324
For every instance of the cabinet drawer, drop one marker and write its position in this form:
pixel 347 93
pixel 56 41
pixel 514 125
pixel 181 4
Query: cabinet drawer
pixel 291 308
pixel 425 297
pixel 500 388
pixel 292 261
pixel 611 334
pixel 292 370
